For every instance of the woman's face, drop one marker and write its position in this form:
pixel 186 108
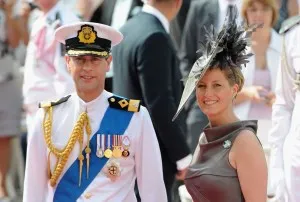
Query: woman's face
pixel 259 13
pixel 214 93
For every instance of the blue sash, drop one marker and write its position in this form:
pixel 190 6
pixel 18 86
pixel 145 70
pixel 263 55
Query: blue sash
pixel 115 121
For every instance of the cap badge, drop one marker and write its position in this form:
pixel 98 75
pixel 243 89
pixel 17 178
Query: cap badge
pixel 87 34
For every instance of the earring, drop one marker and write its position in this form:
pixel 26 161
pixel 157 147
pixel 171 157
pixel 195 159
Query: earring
pixel 234 96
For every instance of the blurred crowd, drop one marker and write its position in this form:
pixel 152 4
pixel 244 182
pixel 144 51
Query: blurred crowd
pixel 32 68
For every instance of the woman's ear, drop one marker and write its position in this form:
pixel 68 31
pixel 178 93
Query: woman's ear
pixel 235 90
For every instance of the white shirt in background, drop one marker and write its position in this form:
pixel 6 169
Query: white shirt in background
pixel 120 14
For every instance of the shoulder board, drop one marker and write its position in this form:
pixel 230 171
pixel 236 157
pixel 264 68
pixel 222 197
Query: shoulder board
pixel 51 104
pixel 289 24
pixel 124 104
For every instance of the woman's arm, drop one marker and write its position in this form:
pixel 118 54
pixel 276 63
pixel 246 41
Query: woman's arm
pixel 251 93
pixel 248 157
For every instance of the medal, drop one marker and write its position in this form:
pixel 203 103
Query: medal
pixel 117 153
pixel 108 152
pixel 100 145
pixel 113 170
pixel 126 145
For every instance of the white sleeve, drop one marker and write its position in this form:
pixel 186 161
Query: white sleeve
pixel 282 112
pixel 284 104
pixel 149 164
pixel 36 180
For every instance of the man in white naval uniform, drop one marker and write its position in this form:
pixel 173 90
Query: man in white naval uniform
pixel 92 145
pixel 284 136
pixel 45 74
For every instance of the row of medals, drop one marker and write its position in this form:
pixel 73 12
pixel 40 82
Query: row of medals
pixel 120 149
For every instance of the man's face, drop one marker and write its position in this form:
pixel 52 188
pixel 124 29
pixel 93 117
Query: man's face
pixel 88 72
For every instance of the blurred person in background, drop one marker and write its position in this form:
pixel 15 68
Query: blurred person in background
pixel 115 13
pixel 28 13
pixel 10 90
pixel 287 9
pixel 284 136
pixel 84 8
pixel 45 74
pixel 177 24
pixel 257 96
pixel 146 68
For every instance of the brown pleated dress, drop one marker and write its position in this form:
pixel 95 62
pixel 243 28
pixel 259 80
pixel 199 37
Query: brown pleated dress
pixel 210 177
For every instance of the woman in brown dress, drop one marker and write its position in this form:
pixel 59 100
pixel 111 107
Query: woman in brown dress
pixel 229 163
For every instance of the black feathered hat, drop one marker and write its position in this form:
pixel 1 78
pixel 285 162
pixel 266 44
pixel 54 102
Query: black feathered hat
pixel 227 49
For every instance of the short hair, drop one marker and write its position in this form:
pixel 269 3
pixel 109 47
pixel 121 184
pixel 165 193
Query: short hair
pixel 233 75
pixel 248 3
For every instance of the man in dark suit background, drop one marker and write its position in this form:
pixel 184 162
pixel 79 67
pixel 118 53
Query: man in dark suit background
pixel 115 13
pixel 104 13
pixel 146 68
pixel 177 24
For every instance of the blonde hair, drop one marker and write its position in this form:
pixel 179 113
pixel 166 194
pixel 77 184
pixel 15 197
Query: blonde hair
pixel 233 75
pixel 271 3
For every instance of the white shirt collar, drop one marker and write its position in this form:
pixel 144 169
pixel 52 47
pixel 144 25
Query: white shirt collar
pixel 90 106
pixel 153 11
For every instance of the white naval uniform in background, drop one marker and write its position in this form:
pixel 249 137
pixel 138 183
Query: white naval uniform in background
pixel 284 135
pixel 43 81
pixel 144 161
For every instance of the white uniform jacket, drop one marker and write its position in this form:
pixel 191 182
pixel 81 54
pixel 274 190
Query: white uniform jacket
pixel 284 136
pixel 144 162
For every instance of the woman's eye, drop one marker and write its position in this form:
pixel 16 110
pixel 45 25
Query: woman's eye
pixel 201 86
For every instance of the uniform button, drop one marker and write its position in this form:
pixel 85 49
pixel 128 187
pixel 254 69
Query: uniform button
pixel 88 195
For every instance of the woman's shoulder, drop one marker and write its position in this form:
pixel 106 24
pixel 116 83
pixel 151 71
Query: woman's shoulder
pixel 246 141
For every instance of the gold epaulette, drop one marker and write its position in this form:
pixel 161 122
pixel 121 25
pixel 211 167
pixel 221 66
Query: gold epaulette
pixel 51 104
pixel 289 24
pixel 124 104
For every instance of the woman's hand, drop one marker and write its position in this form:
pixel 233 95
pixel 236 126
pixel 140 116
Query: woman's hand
pixel 254 93
pixel 251 93
pixel 270 99
pixel 180 175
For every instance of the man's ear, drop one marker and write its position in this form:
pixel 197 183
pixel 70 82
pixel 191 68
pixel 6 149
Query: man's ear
pixel 68 60
pixel 109 60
